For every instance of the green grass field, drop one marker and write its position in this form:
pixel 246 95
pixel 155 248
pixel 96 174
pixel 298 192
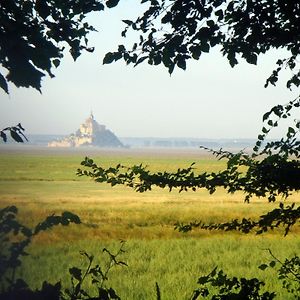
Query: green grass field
pixel 43 182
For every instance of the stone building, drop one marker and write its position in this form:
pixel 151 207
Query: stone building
pixel 90 133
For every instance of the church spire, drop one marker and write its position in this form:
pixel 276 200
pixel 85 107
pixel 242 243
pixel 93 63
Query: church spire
pixel 91 115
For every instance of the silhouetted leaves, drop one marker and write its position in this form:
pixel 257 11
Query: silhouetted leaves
pixel 16 136
pixel 96 274
pixel 173 32
pixel 112 3
pixel 285 217
pixel 16 132
pixel 221 286
pixel 33 34
pixel 12 249
pixel 3 136
pixel 65 219
pixel 76 273
pixel 288 272
pixel 110 57
pixel 270 177
pixel 3 84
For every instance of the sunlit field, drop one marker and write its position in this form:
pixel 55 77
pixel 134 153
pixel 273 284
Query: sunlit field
pixel 42 182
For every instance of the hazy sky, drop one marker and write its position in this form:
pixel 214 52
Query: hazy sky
pixel 209 100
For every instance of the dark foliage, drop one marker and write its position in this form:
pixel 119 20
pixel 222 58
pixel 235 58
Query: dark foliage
pixel 219 286
pixel 14 239
pixel 97 275
pixel 172 32
pixel 230 288
pixel 34 34
pixel 16 133
pixel 288 272
pixel 269 176
pixel 282 216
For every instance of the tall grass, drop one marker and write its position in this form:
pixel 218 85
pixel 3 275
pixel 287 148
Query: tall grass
pixel 175 264
pixel 43 184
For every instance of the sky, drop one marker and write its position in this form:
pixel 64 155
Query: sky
pixel 208 100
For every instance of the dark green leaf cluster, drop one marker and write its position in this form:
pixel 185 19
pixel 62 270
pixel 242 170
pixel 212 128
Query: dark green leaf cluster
pixel 97 275
pixel 288 272
pixel 14 239
pixel 33 35
pixel 288 146
pixel 230 288
pixel 269 177
pixel 172 32
pixel 283 216
pixel 65 219
pixel 141 179
pixel 16 133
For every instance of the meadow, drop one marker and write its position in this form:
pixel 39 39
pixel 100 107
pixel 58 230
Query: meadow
pixel 41 182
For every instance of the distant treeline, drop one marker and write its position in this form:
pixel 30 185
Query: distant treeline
pixel 187 142
pixel 154 142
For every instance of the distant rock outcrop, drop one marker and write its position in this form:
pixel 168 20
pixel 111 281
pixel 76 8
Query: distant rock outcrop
pixel 90 133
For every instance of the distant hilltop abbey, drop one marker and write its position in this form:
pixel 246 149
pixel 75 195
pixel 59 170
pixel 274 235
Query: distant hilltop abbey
pixel 90 133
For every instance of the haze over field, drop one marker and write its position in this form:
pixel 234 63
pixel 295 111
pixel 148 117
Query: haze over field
pixel 209 100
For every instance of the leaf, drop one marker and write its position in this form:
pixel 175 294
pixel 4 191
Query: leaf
pixel 111 56
pixel 202 280
pixel 128 22
pixel 56 62
pixel 140 60
pixel 291 130
pixel 263 267
pixel 20 126
pixel 232 60
pixel 204 47
pixel 196 51
pixel 16 136
pixel 113 294
pixel 213 272
pixel 272 263
pixel 260 137
pixel 210 23
pixel 181 63
pixel 171 68
pixel 112 3
pixel 219 14
pixel 71 217
pixel 266 116
pixel 103 294
pixel 252 59
pixel 3 136
pixel 25 75
pixel 3 83
pixel 76 273
pixel 43 9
